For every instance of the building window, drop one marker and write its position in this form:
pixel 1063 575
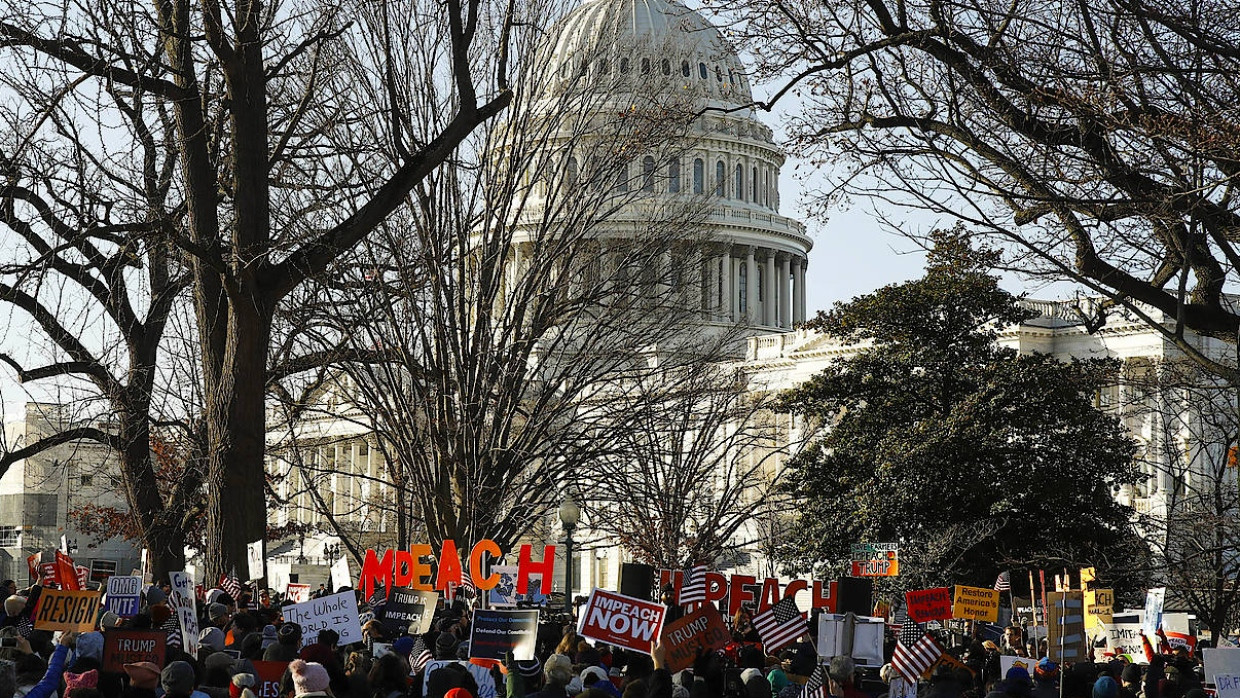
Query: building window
pixel 753 185
pixel 645 66
pixel 699 175
pixel 718 74
pixel 739 188
pixel 622 178
pixel 647 173
pixel 673 176
pixel 570 172
pixel 721 179
pixel 88 480
pixel 742 287
pixel 603 65
pixel 702 70
pixel 624 65
pixel 684 68
pixel 10 537
pixel 667 67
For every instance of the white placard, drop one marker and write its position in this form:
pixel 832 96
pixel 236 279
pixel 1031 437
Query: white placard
pixel 254 558
pixel 1006 662
pixel 338 612
pixel 186 608
pixel 1220 661
pixel 340 574
pixel 1227 685
pixel 1154 600
pixel 867 639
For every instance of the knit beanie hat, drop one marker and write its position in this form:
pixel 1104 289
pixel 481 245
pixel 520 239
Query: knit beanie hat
pixel 90 645
pixel 529 668
pixel 177 678
pixel 239 685
pixel 290 634
pixel 308 677
pixel 155 595
pixel 216 611
pixel 211 637
pixel 88 679
pixel 143 675
pixel 1105 687
pixel 445 646
pixel 559 669
pixel 269 635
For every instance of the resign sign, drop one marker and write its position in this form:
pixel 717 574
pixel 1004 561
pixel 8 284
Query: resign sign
pixel 59 609
pixel 624 621
pixel 875 560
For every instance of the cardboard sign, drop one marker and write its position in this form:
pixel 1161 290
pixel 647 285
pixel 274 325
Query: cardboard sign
pixel 297 593
pixel 338 612
pixel 254 560
pixel 1221 661
pixel 875 560
pixel 185 601
pixel 623 621
pixel 121 647
pixel 124 596
pixel 929 604
pixel 1099 606
pixel 1227 685
pixel 269 676
pixel 1125 638
pixel 1006 662
pixel 340 574
pixel 700 631
pixel 100 570
pixel 1066 639
pixel 493 633
pixel 1154 599
pixel 866 642
pixel 410 611
pixel 60 609
pixel 976 603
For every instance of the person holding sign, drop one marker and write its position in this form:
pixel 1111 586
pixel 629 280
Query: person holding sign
pixel 47 686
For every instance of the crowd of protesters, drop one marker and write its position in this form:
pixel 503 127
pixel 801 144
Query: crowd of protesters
pixel 236 632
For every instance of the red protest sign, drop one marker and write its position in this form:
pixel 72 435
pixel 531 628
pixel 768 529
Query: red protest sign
pixel 929 604
pixel 269 675
pixel 623 621
pixel 121 647
pixel 702 630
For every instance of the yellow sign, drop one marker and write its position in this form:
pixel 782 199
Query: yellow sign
pixel 976 603
pixel 1099 606
pixel 67 610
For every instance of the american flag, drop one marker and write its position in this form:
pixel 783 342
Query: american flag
pixel 780 624
pixel 230 584
pixel 419 656
pixel 1004 582
pixel 173 627
pixel 916 651
pixel 693 586
pixel 817 686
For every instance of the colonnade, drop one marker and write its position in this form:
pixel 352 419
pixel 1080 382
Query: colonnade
pixel 756 286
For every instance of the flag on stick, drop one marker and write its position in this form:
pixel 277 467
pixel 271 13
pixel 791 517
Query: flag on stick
pixel 693 586
pixel 1004 582
pixel 916 651
pixel 780 624
pixel 817 686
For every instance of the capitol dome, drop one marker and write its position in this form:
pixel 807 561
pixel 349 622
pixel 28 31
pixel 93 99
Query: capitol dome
pixel 650 40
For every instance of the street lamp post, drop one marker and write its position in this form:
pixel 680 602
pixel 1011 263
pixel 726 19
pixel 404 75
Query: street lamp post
pixel 570 513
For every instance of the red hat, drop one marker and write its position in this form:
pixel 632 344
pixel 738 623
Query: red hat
pixel 88 679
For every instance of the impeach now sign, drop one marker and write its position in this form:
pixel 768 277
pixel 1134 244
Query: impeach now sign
pixel 976 603
pixel 623 621
pixel 926 605
pixel 59 609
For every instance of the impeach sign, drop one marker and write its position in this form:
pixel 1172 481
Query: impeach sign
pixel 699 632
pixel 929 604
pixel 976 603
pixel 623 621
pixel 67 610
pixel 121 647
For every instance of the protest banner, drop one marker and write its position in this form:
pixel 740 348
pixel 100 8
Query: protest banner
pixel 1177 640
pixel 1066 640
pixel 338 612
pixel 340 574
pixel 121 647
pixel 1099 607
pixel 60 609
pixel 865 644
pixel 269 676
pixel 495 632
pixel 185 603
pixel 702 631
pixel 412 568
pixel 254 560
pixel 763 593
pixel 1124 636
pixel 1227 685
pixel 1220 661
pixel 1154 600
pixel 100 570
pixel 504 593
pixel 1006 662
pixel 623 621
pixel 409 611
pixel 976 603
pixel 124 596
pixel 297 593
pixel 875 560
pixel 926 605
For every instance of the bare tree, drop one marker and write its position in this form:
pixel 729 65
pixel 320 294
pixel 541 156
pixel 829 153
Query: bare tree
pixel 1097 140
pixel 292 131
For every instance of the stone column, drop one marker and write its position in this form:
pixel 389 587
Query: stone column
pixel 784 286
pixel 800 297
pixel 727 306
pixel 751 286
pixel 770 309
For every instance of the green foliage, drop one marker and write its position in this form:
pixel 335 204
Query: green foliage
pixel 972 457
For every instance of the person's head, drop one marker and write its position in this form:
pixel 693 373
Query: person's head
pixel 1014 635
pixel 290 634
pixel 531 671
pixel 388 673
pixel 143 675
pixel 1105 687
pixel 446 645
pixel 309 678
pixel 8 587
pixel 841 671
pixel 14 604
pixel 8 678
pixel 558 670
pixel 1131 676
pixel 178 679
pixel 329 638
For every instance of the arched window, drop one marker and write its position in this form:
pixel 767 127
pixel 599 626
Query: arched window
pixel 673 176
pixel 702 70
pixel 570 172
pixel 738 188
pixel 624 65
pixel 645 66
pixel 742 287
pixel 721 179
pixel 647 173
pixel 667 67
pixel 753 185
pixel 718 74
pixel 603 65
pixel 684 68
pixel 699 176
pixel 622 178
